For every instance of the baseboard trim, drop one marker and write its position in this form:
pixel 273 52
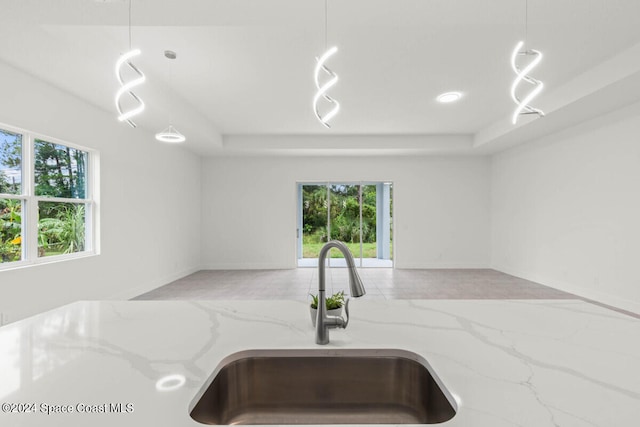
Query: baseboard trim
pixel 444 266
pixel 248 267
pixel 294 266
pixel 154 284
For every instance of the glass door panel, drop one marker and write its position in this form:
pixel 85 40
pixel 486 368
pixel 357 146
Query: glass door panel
pixel 344 222
pixel 369 221
pixel 315 216
pixel 383 256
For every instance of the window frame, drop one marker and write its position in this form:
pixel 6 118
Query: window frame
pixel 30 202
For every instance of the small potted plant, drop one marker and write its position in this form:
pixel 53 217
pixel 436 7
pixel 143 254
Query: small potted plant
pixel 334 305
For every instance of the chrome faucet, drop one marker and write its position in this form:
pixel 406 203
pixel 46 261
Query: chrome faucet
pixel 325 322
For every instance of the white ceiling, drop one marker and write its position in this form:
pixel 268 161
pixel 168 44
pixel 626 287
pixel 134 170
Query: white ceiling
pixel 244 67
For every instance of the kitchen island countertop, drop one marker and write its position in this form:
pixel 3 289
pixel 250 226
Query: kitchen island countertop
pixel 144 363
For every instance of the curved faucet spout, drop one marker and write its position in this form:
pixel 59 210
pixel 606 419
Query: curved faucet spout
pixel 356 288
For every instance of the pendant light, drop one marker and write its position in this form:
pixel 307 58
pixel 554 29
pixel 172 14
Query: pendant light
pixel 522 75
pixel 127 87
pixel 170 134
pixel 322 89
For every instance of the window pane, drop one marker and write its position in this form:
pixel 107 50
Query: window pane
pixel 61 228
pixel 10 230
pixel 60 171
pixel 10 162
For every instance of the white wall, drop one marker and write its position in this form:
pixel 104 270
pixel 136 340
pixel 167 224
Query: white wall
pixel 441 208
pixel 566 210
pixel 150 204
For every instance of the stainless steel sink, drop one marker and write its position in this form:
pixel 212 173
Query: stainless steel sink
pixel 313 387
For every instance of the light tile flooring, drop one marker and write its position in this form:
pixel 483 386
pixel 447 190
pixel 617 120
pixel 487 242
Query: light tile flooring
pixel 380 283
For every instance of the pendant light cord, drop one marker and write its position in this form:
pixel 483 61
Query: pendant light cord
pixel 172 106
pixel 130 1
pixel 526 23
pixel 325 25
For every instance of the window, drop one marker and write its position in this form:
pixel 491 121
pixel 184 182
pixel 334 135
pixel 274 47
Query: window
pixel 47 201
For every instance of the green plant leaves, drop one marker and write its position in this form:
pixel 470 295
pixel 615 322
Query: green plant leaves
pixel 334 301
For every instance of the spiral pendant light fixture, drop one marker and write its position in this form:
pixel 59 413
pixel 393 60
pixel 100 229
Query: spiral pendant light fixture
pixel 522 75
pixel 126 87
pixel 323 88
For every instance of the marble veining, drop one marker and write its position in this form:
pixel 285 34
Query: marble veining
pixel 505 362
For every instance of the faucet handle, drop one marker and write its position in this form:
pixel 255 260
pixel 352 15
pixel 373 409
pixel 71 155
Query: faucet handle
pixel 346 310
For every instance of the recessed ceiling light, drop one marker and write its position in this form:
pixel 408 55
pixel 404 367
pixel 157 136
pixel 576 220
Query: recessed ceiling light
pixel 448 97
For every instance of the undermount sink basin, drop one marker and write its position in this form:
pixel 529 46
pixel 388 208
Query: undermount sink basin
pixel 314 387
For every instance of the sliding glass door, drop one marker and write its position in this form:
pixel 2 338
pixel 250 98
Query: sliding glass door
pixel 358 214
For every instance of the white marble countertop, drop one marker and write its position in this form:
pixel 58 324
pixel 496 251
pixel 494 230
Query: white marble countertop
pixel 507 363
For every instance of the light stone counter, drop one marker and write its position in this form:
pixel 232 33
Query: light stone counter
pixel 506 363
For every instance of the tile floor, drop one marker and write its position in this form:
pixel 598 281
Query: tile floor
pixel 385 283
pixel 382 283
